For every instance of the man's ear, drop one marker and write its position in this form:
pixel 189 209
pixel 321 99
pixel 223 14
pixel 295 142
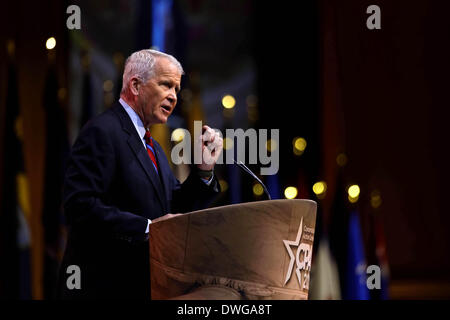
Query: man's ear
pixel 134 86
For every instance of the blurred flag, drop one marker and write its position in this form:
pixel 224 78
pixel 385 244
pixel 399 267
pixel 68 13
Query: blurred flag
pixel 338 229
pixel 324 274
pixel 87 111
pixel 161 24
pixel 57 151
pixel 273 186
pixel 234 177
pixel 356 276
pixel 347 246
pixel 15 266
pixel 193 107
pixel 381 256
pixel 304 187
pixel 119 62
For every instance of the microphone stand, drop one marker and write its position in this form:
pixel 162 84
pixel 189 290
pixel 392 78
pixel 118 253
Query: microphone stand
pixel 246 169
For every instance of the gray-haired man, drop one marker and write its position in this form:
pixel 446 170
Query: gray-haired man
pixel 118 181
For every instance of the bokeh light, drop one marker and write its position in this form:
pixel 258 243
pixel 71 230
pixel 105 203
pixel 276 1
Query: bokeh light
pixel 223 185
pixel 108 85
pixel 178 135
pixel 299 145
pixel 50 43
pixel 353 193
pixel 228 101
pixel 341 159
pixel 375 199
pixel 271 145
pixel 257 189
pixel 227 143
pixel 290 192
pixel 319 188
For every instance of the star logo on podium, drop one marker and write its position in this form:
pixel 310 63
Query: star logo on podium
pixel 288 244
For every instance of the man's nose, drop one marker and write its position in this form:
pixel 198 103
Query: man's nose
pixel 172 97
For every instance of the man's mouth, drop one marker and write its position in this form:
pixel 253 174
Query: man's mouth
pixel 166 108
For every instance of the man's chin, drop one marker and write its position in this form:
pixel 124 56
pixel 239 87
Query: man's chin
pixel 161 120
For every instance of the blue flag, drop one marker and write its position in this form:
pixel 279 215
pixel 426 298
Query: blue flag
pixel 356 277
pixel 273 185
pixel 161 20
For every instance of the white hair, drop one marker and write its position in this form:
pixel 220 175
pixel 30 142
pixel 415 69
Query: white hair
pixel 141 64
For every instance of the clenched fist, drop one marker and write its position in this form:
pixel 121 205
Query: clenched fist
pixel 212 145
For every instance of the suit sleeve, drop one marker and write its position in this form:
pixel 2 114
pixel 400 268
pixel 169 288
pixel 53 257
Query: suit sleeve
pixel 194 194
pixel 88 177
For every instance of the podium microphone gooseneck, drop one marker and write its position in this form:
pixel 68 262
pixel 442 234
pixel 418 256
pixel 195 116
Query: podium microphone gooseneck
pixel 246 169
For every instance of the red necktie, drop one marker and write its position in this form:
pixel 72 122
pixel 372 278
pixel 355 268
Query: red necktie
pixel 150 149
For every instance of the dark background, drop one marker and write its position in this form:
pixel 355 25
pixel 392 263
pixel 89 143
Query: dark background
pixel 380 96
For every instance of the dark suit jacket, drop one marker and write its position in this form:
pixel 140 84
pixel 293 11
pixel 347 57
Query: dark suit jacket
pixel 110 190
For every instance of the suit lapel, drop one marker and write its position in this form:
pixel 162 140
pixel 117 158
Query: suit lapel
pixel 147 165
pixel 140 152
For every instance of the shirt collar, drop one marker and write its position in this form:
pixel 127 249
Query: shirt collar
pixel 135 119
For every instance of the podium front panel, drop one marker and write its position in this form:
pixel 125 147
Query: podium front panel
pixel 262 250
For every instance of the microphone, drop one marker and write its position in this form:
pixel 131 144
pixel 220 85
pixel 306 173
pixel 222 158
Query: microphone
pixel 246 169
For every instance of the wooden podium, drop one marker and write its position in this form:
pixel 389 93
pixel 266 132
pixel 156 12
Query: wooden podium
pixel 255 250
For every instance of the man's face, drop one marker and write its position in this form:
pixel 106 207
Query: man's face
pixel 158 96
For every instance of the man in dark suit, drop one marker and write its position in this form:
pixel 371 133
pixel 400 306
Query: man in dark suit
pixel 118 181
